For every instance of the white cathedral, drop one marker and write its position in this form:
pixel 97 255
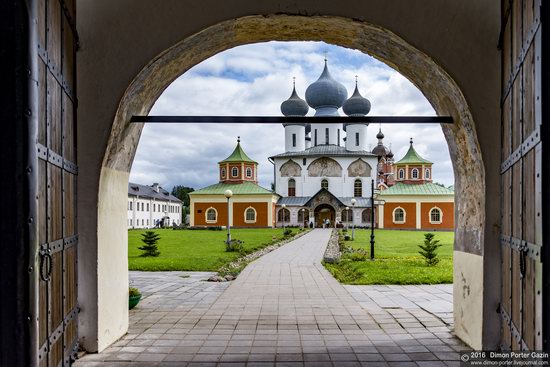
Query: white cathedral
pixel 325 174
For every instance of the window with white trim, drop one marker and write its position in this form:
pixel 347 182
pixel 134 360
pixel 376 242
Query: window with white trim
pixel 223 172
pixel 211 215
pixel 414 173
pixel 347 215
pixel 293 140
pixel 401 174
pixel 291 187
pixel 427 173
pixel 435 216
pixel 250 215
pixel 365 216
pixel 356 139
pixel 358 188
pixel 283 215
pixel 248 172
pixel 326 135
pixel 234 172
pixel 399 215
pixel 324 184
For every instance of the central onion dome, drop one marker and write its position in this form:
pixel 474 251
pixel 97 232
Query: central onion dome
pixel 326 95
pixel 294 106
pixel 356 105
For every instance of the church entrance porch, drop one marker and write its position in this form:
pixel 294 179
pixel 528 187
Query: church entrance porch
pixel 324 213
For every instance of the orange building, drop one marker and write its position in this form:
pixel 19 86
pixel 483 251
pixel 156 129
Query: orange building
pixel 409 199
pixel 250 205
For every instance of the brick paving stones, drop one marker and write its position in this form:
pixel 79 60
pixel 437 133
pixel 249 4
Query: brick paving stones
pixel 284 309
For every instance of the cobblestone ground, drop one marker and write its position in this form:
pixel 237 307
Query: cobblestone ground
pixel 284 309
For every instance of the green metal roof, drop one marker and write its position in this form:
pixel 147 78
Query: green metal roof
pixel 238 155
pixel 427 188
pixel 412 157
pixel 245 188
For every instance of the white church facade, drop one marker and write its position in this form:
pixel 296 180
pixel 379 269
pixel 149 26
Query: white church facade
pixel 324 176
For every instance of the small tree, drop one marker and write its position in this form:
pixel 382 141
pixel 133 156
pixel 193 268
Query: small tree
pixel 429 249
pixel 150 240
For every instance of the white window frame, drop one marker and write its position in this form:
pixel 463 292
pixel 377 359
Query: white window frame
pixel 223 172
pixel 206 215
pixel 415 170
pixel 328 183
pixel 427 173
pixel 248 169
pixel 246 220
pixel 440 215
pixel 233 170
pixel 401 174
pixel 404 216
pixel 358 180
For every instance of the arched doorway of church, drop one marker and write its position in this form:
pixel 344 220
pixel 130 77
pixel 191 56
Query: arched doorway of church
pixel 325 216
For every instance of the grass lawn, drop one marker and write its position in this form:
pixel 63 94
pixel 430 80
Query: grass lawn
pixel 196 250
pixel 397 259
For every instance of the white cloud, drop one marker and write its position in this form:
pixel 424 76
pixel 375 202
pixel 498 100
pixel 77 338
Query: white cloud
pixel 254 80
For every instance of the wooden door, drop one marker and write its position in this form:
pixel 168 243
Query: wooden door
pixel 55 251
pixel 521 176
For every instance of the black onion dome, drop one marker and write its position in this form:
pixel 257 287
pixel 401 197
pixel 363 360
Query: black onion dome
pixel 326 91
pixel 294 106
pixel 380 135
pixel 356 105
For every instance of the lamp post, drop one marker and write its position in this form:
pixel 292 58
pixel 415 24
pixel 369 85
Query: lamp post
pixel 303 218
pixel 228 194
pixel 347 217
pixel 372 221
pixel 284 210
pixel 353 202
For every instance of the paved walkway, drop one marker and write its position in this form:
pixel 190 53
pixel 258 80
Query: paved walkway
pixel 284 309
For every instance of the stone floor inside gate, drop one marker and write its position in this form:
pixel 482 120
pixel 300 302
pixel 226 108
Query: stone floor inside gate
pixel 284 309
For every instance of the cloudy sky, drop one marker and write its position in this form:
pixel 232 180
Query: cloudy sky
pixel 254 80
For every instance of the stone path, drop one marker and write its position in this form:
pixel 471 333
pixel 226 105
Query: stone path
pixel 284 309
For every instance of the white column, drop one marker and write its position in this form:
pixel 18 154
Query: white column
pixel 381 216
pixel 418 218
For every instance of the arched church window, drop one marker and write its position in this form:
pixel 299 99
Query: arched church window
pixel 427 174
pixel 347 215
pixel 211 215
pixel 414 173
pixel 366 216
pixel 250 215
pixel 234 172
pixel 303 216
pixel 435 215
pixel 283 215
pixel 401 174
pixel 248 172
pixel 324 184
pixel 358 188
pixel 291 187
pixel 223 172
pixel 399 215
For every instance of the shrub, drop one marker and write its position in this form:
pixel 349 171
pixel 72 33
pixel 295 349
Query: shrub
pixel 234 246
pixel 347 237
pixel 150 240
pixel 358 255
pixel 429 249
pixel 134 292
pixel 218 228
pixel 287 232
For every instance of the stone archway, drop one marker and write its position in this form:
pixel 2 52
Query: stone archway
pixel 438 87
pixel 322 213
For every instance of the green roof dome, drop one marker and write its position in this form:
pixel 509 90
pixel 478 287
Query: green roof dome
pixel 412 157
pixel 238 155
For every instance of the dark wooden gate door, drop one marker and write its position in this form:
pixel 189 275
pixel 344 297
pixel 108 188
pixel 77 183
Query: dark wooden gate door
pixel 521 176
pixel 55 251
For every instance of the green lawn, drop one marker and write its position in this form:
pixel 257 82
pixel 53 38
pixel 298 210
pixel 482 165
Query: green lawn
pixel 195 250
pixel 397 260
